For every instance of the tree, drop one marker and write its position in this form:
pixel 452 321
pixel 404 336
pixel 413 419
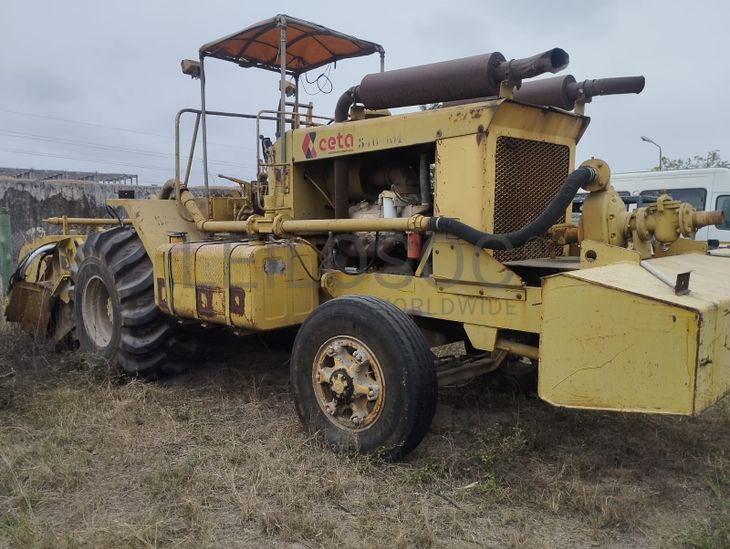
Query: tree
pixel 711 160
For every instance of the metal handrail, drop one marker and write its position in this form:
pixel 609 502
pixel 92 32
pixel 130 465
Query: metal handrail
pixel 261 166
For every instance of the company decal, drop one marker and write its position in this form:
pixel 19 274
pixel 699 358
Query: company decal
pixel 313 146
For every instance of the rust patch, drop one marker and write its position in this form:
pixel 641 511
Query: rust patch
pixel 274 266
pixel 476 113
pixel 205 300
pixel 481 134
pixel 237 306
pixel 162 294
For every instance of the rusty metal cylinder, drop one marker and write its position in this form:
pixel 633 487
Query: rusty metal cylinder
pixel 554 92
pixel 609 86
pixel 703 219
pixel 563 91
pixel 464 78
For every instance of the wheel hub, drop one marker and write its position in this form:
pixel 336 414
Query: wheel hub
pixel 342 385
pixel 348 382
pixel 97 311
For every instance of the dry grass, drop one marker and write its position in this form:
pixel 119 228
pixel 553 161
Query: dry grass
pixel 216 458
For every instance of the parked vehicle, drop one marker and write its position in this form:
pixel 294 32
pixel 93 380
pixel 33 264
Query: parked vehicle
pixel 383 235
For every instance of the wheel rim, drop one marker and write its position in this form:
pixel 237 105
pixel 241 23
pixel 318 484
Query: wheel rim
pixel 348 383
pixel 97 312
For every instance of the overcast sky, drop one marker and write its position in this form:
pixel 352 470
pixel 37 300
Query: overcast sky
pixel 94 85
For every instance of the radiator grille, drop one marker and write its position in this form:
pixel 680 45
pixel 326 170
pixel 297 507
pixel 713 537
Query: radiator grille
pixel 528 176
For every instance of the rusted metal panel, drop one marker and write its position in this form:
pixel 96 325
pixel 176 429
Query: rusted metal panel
pixel 30 306
pixel 162 295
pixel 238 301
pixel 210 302
pixel 309 45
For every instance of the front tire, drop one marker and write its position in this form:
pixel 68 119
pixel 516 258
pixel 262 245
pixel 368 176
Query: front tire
pixel 364 377
pixel 114 307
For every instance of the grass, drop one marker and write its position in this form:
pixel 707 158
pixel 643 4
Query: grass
pixel 217 458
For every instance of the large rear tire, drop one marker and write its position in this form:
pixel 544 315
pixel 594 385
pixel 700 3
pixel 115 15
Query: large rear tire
pixel 114 306
pixel 364 377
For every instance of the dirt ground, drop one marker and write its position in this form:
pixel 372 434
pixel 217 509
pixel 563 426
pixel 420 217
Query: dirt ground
pixel 217 458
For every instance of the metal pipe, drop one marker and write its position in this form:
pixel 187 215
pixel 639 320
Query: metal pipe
pixel 342 194
pixel 466 78
pixel 167 189
pixel 282 85
pixel 416 223
pixel 522 349
pixel 205 128
pixel 253 225
pixel 282 226
pixel 189 165
pixel 564 91
pixel 100 221
pixel 658 274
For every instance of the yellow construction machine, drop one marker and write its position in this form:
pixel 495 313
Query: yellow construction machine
pixel 383 235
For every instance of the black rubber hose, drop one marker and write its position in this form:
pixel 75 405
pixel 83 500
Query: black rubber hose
pixel 557 207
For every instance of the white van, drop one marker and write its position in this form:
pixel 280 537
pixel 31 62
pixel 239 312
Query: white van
pixel 705 189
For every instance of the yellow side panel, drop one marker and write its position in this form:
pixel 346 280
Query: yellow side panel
pixel 630 306
pixel 390 132
pixel 211 268
pixel 155 219
pixel 713 374
pixel 463 188
pixel 280 292
pixel 422 297
pixel 245 285
pixel 604 348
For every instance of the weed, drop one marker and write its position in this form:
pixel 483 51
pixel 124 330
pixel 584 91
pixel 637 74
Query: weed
pixel 217 458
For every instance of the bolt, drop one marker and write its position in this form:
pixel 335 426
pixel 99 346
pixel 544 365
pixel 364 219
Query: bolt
pixel 359 356
pixel 357 420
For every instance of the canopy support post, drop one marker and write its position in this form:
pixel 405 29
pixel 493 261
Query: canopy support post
pixel 205 128
pixel 282 85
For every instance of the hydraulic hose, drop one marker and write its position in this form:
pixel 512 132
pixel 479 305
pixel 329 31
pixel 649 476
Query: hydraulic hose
pixel 506 241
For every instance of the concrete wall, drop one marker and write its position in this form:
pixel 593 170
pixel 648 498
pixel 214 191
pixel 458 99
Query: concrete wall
pixel 30 201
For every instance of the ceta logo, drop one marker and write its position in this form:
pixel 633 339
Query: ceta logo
pixel 340 142
pixel 336 142
pixel 308 145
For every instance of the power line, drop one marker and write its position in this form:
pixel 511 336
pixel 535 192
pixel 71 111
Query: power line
pixel 94 161
pixel 93 125
pixel 86 144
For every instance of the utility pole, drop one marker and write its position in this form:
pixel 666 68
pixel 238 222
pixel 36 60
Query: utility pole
pixel 647 140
